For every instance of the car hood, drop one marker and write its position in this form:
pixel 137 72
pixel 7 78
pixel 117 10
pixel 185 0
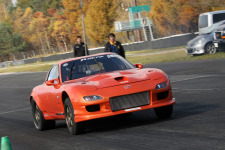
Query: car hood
pixel 117 78
pixel 195 40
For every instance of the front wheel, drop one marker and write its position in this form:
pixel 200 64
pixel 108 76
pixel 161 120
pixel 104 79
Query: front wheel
pixel 39 121
pixel 164 112
pixel 74 128
pixel 210 48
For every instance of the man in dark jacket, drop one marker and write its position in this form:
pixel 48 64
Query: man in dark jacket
pixel 114 46
pixel 79 48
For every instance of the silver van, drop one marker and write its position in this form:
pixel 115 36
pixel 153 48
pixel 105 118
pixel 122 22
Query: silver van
pixel 207 23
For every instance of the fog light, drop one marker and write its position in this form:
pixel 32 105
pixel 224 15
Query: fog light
pixel 93 108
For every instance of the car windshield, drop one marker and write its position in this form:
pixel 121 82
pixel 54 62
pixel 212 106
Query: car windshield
pixel 93 65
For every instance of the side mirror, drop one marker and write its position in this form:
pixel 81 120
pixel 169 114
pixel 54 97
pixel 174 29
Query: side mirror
pixel 140 66
pixel 52 82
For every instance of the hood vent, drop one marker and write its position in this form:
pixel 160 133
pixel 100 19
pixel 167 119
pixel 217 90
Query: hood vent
pixel 121 79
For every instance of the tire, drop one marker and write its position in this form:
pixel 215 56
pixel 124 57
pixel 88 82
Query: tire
pixel 210 48
pixel 164 112
pixel 39 122
pixel 73 127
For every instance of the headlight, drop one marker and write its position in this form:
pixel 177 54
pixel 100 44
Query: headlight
pixel 92 98
pixel 161 85
pixel 201 40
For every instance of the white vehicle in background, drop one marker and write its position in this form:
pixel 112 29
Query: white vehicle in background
pixel 219 36
pixel 203 43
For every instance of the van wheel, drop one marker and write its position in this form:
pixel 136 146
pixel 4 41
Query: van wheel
pixel 210 48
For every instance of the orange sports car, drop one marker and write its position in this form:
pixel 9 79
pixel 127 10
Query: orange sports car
pixel 97 86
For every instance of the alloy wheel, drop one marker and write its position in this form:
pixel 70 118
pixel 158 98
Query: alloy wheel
pixel 211 49
pixel 69 118
pixel 37 116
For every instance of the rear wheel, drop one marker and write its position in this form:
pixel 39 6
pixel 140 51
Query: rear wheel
pixel 164 112
pixel 39 122
pixel 210 48
pixel 74 128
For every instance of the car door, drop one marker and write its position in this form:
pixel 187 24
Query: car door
pixel 53 100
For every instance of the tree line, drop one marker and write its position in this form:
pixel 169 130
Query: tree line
pixel 46 25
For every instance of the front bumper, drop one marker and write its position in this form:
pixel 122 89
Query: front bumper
pixel 105 113
pixel 105 107
pixel 219 44
pixel 192 50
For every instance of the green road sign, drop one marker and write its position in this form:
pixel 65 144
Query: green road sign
pixel 137 9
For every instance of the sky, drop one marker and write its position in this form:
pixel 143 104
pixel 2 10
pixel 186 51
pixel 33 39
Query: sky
pixel 14 1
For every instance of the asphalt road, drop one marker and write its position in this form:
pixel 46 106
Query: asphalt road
pixel 198 121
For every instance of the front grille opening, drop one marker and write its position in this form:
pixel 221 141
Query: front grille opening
pixel 163 95
pixel 190 50
pixel 130 101
pixel 93 108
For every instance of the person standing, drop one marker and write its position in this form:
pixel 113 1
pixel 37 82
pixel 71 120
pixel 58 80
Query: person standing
pixel 79 48
pixel 114 46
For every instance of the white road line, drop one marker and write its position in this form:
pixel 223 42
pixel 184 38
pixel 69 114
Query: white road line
pixel 8 112
pixel 199 89
pixel 16 67
pixel 1 74
pixel 192 78
pixel 214 89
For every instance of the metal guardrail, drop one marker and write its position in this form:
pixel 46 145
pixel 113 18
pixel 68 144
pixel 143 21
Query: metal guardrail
pixel 166 42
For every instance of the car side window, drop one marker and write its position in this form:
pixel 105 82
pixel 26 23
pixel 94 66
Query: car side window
pixel 54 73
pixel 218 17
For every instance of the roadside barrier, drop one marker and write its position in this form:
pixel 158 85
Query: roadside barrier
pixel 166 42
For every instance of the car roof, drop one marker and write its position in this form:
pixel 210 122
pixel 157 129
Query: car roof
pixel 77 58
pixel 213 12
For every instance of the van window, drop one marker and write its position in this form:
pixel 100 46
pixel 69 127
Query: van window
pixel 218 17
pixel 203 21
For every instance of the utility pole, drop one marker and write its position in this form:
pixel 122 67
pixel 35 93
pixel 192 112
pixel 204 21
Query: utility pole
pixel 134 3
pixel 84 34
